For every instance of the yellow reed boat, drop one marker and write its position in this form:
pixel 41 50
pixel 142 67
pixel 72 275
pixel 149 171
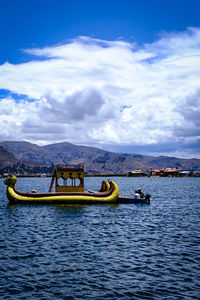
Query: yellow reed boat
pixel 69 189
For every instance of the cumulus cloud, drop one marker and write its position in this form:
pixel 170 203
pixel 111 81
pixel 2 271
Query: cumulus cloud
pixel 75 107
pixel 108 93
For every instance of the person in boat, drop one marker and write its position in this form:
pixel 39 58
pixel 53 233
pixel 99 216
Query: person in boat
pixel 137 195
pixel 140 192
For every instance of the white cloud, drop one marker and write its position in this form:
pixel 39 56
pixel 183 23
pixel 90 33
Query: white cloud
pixel 91 91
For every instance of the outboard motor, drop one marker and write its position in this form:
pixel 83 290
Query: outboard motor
pixel 147 197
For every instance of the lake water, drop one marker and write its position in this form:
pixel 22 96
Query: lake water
pixel 124 251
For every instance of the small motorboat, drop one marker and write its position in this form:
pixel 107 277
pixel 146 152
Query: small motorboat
pixel 129 199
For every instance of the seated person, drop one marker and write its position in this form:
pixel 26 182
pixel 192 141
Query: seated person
pixel 137 195
pixel 140 193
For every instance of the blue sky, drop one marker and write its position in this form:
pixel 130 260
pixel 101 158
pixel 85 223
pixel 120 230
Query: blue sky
pixel 120 75
pixel 35 23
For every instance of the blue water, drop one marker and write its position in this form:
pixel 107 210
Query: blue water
pixel 100 252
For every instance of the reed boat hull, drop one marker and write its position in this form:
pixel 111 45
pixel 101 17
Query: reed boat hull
pixel 108 196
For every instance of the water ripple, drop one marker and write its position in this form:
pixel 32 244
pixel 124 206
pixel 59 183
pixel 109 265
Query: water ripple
pixel 103 252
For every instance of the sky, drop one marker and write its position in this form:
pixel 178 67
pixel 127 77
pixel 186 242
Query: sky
pixel 120 75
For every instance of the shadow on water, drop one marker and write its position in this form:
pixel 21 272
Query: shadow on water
pixel 64 207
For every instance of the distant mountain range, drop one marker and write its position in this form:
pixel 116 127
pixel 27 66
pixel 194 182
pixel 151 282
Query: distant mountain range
pixel 24 157
pixel 6 158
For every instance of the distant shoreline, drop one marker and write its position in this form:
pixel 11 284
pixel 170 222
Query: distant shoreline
pixel 106 175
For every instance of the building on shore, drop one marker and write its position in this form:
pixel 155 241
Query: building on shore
pixel 165 172
pixel 137 173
